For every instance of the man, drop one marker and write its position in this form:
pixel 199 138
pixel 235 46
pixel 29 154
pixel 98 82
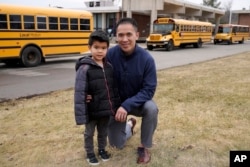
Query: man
pixel 135 74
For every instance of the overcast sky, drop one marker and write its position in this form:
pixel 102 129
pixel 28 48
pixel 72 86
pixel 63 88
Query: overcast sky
pixel 237 4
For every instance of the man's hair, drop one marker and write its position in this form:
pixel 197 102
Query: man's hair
pixel 99 36
pixel 127 20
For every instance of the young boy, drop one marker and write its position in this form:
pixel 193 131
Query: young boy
pixel 94 77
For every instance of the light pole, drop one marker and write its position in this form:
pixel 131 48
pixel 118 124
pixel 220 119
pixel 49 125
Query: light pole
pixel 122 8
pixel 230 16
pixel 230 13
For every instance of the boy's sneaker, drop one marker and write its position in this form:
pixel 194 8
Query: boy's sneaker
pixel 104 155
pixel 92 159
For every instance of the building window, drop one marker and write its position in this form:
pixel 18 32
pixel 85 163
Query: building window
pixel 97 3
pixel 98 21
pixel 91 4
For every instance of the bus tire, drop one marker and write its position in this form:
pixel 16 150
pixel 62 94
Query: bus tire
pixel 170 45
pixel 198 44
pixel 150 47
pixel 242 41
pixel 31 56
pixel 229 42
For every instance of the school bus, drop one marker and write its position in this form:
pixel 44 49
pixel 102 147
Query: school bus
pixel 169 33
pixel 28 35
pixel 230 33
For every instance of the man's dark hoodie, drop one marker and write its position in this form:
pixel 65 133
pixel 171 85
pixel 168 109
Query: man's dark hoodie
pixel 92 79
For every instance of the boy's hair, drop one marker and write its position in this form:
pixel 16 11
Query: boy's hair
pixel 99 36
pixel 127 20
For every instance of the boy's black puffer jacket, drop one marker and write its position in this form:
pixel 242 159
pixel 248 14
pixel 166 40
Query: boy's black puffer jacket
pixel 92 79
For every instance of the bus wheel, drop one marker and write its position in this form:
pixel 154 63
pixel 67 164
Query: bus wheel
pixel 229 42
pixel 150 47
pixel 242 41
pixel 198 44
pixel 170 45
pixel 31 57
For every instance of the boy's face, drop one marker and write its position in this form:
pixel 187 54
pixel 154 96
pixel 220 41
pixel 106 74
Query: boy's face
pixel 98 50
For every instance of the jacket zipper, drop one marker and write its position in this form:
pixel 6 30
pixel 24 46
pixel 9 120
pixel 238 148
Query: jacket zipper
pixel 106 84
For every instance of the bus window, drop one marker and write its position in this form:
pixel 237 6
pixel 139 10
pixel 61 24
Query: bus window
pixel 64 23
pixel 84 24
pixel 73 24
pixel 53 23
pixel 177 28
pixel 29 22
pixel 3 21
pixel 41 23
pixel 15 22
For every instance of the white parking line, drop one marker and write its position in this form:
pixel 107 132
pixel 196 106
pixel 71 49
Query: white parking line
pixel 26 72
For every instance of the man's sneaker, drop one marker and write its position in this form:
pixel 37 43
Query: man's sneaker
pixel 143 155
pixel 92 159
pixel 133 120
pixel 104 155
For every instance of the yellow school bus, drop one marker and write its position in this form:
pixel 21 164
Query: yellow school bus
pixel 169 33
pixel 230 33
pixel 28 35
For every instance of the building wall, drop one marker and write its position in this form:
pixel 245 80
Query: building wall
pixel 143 22
pixel 244 19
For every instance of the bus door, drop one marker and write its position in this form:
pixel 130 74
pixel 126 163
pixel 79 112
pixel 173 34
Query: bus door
pixel 177 36
pixel 234 34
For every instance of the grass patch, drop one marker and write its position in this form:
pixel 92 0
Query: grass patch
pixel 204 112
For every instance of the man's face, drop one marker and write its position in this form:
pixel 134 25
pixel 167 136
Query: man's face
pixel 126 36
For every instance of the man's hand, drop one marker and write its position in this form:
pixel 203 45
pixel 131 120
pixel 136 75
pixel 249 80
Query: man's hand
pixel 121 114
pixel 88 98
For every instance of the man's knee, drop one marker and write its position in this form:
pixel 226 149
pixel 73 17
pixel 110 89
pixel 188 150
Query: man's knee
pixel 116 143
pixel 151 108
pixel 116 134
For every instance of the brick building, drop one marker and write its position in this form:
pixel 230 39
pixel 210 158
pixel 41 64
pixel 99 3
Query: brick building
pixel 241 17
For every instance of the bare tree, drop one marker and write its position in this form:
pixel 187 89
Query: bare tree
pixel 227 7
pixel 212 3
